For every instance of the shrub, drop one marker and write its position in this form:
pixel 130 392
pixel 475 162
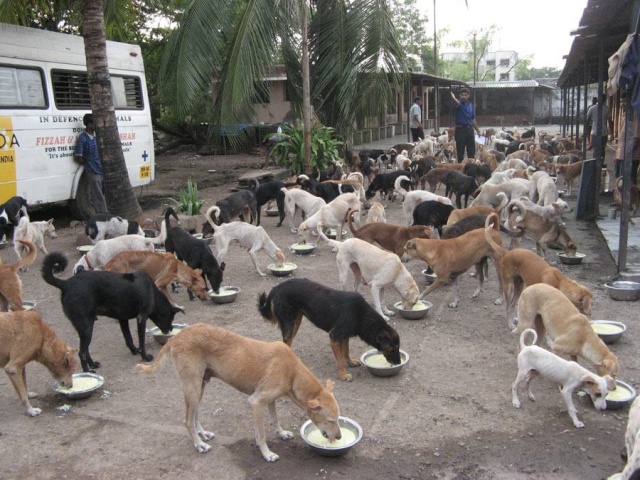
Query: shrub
pixel 188 202
pixel 289 151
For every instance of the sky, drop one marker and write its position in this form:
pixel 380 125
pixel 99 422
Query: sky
pixel 530 27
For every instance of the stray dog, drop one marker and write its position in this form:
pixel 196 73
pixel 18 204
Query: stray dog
pixel 33 231
pixel 195 253
pixel 617 197
pixel 10 213
pixel 384 183
pixel 105 250
pixel 164 268
pixel 376 214
pixel 269 191
pixel 10 283
pixel 414 198
pixel 331 215
pixel 296 199
pixel 107 225
pixel 547 310
pixel 241 204
pixel 452 257
pixel 533 360
pixel 632 443
pixel 342 314
pixel 569 173
pixel 434 177
pixel 24 337
pixel 248 236
pixel 265 371
pixel 117 295
pixel 432 213
pixel 388 236
pixel 460 184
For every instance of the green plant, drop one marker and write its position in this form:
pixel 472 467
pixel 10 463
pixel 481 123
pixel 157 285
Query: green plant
pixel 289 151
pixel 188 202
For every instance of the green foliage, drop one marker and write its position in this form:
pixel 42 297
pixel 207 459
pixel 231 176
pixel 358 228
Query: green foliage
pixel 289 152
pixel 188 202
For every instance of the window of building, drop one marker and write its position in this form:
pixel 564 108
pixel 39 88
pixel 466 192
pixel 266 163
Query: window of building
pixel 504 76
pixel 22 87
pixel 491 63
pixel 504 62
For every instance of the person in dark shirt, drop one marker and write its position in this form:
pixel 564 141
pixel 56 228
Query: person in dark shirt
pixel 465 125
pixel 86 153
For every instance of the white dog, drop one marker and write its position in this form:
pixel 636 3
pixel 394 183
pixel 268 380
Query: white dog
pixel 107 225
pixel 374 267
pixel 533 360
pixel 248 236
pixel 415 197
pixel 332 215
pixel 376 214
pixel 632 442
pixel 105 250
pixel 33 231
pixel 296 199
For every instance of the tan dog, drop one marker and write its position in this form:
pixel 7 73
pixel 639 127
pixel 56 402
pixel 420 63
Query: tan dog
pixel 632 442
pixel 10 283
pixel 522 267
pixel 24 337
pixel 264 371
pixel 376 214
pixel 34 232
pixel 617 197
pixel 435 177
pixel 546 310
pixel 388 236
pixel 569 173
pixel 164 268
pixel 452 257
pixel 460 213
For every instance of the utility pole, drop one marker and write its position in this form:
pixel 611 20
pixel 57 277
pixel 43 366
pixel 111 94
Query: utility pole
pixel 475 62
pixel 435 42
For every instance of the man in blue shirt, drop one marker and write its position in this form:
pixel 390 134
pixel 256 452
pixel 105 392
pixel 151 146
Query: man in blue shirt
pixel 465 125
pixel 86 153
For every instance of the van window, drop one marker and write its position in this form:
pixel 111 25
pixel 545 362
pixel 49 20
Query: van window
pixel 21 87
pixel 71 91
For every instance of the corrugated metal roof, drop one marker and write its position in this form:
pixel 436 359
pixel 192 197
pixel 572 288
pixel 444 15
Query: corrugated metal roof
pixel 511 84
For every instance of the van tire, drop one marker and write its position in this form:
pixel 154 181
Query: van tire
pixel 81 206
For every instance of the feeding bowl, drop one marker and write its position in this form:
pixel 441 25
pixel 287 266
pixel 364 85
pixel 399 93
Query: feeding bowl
pixel 623 290
pixel 379 366
pixel 162 338
pixel 608 330
pixel 332 233
pixel 84 384
pixel 271 212
pixel 351 435
pixel 28 304
pixel 302 248
pixel 160 250
pixel 225 294
pixel 84 248
pixel 571 259
pixel 287 268
pixel 150 232
pixel 623 395
pixel 419 310
pixel 430 276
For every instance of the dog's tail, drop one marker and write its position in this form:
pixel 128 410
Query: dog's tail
pixel 30 257
pixel 170 212
pixel 333 243
pixel 350 213
pixel 523 337
pixel 214 210
pixel 503 202
pixel 153 366
pixel 492 222
pixel 264 307
pixel 397 185
pixel 54 262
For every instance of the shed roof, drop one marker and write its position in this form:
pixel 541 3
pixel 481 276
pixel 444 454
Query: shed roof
pixel 511 84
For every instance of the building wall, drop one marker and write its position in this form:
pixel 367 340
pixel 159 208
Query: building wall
pixel 499 65
pixel 278 108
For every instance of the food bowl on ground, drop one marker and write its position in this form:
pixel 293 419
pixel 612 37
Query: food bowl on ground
pixel 623 395
pixel 379 366
pixel 608 330
pixel 226 294
pixel 28 304
pixel 162 338
pixel 430 276
pixel 332 233
pixel 418 311
pixel 302 248
pixel 160 250
pixel 84 248
pixel 351 435
pixel 271 212
pixel 623 290
pixel 150 232
pixel 84 384
pixel 285 269
pixel 575 259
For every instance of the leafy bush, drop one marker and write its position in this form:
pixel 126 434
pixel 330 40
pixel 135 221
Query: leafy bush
pixel 289 151
pixel 188 202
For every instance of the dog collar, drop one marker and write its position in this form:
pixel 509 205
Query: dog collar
pixel 86 260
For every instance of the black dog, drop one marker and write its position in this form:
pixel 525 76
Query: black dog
pixel 460 184
pixel 238 204
pixel 384 183
pixel 270 191
pixel 108 225
pixel 467 224
pixel 117 295
pixel 342 314
pixel 477 171
pixel 10 213
pixel 432 213
pixel 421 167
pixel 193 252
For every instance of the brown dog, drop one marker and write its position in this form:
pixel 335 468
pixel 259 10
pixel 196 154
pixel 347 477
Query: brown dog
pixel 436 176
pixel 452 257
pixel 569 173
pixel 546 310
pixel 522 267
pixel 164 268
pixel 265 371
pixel 24 337
pixel 388 236
pixel 617 197
pixel 10 283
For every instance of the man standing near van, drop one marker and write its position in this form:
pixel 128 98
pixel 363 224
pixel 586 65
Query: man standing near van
pixel 465 125
pixel 415 120
pixel 86 153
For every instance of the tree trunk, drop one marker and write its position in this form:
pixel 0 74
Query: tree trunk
pixel 117 187
pixel 306 89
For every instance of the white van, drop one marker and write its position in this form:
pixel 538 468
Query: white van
pixel 44 94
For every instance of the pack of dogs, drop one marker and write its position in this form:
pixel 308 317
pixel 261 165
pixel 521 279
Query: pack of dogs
pixel 513 192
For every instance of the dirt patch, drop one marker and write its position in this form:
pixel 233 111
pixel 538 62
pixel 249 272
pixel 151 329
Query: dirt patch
pixel 448 415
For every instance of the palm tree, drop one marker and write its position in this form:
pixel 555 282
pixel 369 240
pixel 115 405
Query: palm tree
pixel 339 55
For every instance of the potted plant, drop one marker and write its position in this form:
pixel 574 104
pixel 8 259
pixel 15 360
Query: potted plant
pixel 188 206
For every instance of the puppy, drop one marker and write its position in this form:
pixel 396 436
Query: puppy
pixel 265 371
pixel 414 198
pixel 252 238
pixel 632 443
pixel 376 214
pixel 10 213
pixel 549 312
pixel 533 360
pixel 10 283
pixel 388 236
pixel 569 173
pixel 115 295
pixel 241 204
pixel 107 225
pixel 24 337
pixel 452 257
pixel 105 250
pixel 331 215
pixel 296 199
pixel 342 314
pixel 33 231
pixel 435 214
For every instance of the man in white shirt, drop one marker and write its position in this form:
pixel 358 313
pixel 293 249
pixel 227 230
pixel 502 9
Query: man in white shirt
pixel 592 115
pixel 415 120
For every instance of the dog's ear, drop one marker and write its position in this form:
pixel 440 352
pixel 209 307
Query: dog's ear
pixel 313 404
pixel 588 379
pixel 198 271
pixel 329 386
pixel 222 265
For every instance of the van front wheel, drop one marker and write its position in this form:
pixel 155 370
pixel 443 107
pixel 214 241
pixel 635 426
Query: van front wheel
pixel 81 207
